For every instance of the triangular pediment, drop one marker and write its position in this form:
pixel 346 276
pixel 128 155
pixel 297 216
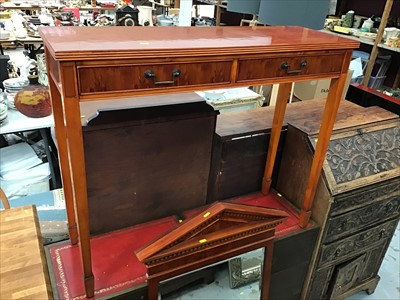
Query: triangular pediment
pixel 219 222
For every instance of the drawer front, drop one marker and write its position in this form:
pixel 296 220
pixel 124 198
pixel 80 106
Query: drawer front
pixel 109 78
pixel 357 242
pixel 358 198
pixel 361 218
pixel 265 68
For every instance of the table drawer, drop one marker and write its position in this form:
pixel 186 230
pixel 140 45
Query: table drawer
pixel 110 78
pixel 348 246
pixel 293 66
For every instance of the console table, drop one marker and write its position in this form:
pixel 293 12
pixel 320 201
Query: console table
pixel 86 64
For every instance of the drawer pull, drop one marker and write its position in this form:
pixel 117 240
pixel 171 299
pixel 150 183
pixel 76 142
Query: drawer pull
pixel 337 253
pixel 149 74
pixel 285 66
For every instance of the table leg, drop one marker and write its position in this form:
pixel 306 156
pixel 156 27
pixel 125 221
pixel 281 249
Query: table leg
pixel 61 136
pixel 78 171
pixel 267 268
pixel 152 289
pixel 279 113
pixel 324 136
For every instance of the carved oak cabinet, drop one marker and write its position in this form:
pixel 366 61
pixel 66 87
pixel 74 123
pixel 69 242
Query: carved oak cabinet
pixel 356 204
pixel 88 64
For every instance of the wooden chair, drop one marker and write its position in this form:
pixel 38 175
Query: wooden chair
pixel 4 199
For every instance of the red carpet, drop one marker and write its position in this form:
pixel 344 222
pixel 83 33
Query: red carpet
pixel 115 266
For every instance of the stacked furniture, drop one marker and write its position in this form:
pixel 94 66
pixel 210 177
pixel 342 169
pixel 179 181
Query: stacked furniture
pixel 123 62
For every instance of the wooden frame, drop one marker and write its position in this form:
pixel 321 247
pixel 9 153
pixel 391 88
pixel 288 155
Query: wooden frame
pixel 222 231
pixel 252 56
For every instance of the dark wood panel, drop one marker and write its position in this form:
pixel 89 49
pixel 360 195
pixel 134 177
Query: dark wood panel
pixel 241 166
pixel 147 169
pixel 292 255
pixel 264 68
pixel 132 77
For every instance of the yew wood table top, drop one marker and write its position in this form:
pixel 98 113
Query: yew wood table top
pixel 72 43
pixel 23 272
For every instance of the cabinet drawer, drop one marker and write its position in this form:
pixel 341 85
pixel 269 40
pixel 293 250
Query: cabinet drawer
pixel 350 245
pixel 110 78
pixel 353 221
pixel 265 68
pixel 361 197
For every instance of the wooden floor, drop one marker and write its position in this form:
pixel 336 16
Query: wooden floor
pixel 23 267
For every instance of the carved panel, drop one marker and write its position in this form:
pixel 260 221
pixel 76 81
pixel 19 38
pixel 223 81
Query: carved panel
pixel 358 219
pixel 346 276
pixel 356 242
pixel 364 155
pixel 373 262
pixel 367 195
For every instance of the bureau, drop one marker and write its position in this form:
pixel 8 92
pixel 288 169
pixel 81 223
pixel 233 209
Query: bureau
pixel 357 202
pixel 87 64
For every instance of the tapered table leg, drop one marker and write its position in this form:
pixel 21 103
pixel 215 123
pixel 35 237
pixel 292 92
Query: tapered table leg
pixel 279 114
pixel 324 136
pixel 63 155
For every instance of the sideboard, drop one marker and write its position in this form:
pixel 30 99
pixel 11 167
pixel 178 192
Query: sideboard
pixel 86 64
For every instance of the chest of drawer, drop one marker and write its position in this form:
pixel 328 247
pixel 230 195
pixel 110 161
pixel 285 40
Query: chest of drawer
pixel 292 66
pixel 108 78
pixel 348 246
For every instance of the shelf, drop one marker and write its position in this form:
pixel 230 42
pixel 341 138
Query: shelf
pixel 364 41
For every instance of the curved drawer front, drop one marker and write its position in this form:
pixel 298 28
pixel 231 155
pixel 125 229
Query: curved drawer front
pixel 265 68
pixel 363 217
pixel 110 78
pixel 347 246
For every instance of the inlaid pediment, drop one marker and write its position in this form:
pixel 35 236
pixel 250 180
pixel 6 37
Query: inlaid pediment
pixel 221 223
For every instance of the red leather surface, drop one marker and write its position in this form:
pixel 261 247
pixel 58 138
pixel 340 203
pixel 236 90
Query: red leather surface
pixel 115 266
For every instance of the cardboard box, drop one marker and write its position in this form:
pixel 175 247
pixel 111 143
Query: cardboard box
pixel 317 89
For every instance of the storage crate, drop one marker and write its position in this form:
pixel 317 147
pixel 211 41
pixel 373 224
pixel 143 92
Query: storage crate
pixel 379 70
pixel 375 82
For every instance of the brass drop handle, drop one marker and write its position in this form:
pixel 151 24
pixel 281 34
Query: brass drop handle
pixel 285 66
pixel 149 74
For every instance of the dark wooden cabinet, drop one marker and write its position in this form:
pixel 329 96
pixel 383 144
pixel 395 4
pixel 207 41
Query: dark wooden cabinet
pixel 147 163
pixel 357 202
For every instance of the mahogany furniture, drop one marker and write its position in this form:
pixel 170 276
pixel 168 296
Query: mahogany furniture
pixel 24 272
pixel 86 64
pixel 357 203
pixel 220 232
pixel 169 145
